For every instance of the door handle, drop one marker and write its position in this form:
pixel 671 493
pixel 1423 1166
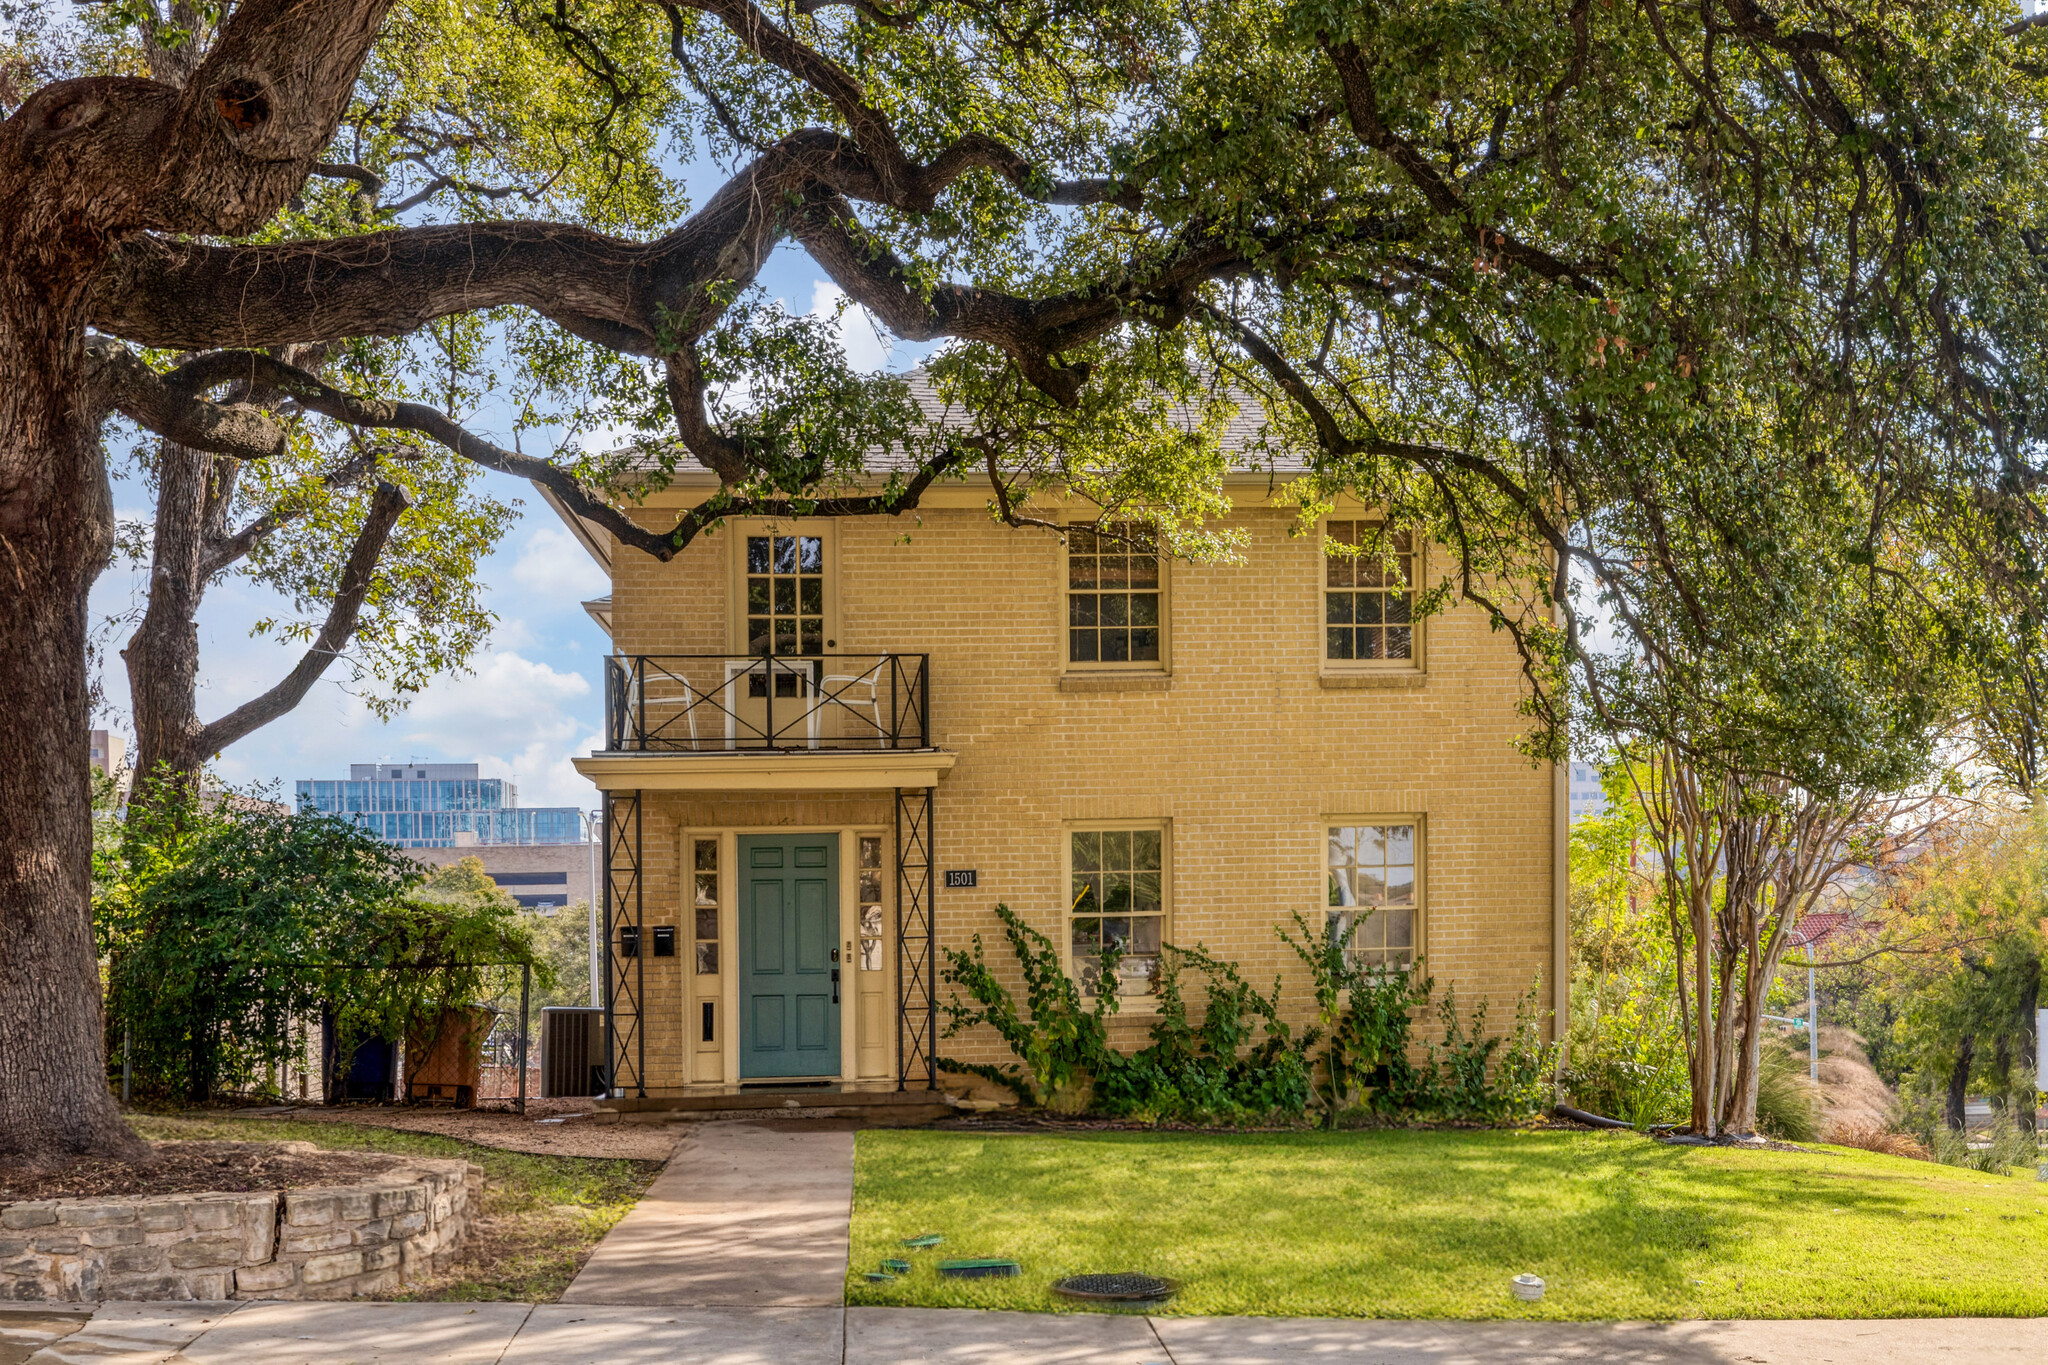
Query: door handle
pixel 835 985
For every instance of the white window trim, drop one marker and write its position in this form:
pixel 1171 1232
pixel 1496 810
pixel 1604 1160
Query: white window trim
pixel 1421 824
pixel 1163 664
pixel 1126 1004
pixel 1330 667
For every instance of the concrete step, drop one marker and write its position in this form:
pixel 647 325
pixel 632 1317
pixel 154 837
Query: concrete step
pixel 879 1107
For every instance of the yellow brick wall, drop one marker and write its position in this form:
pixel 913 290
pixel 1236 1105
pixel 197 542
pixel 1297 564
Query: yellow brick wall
pixel 1244 755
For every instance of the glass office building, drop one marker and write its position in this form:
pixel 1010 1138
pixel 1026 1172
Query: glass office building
pixel 439 805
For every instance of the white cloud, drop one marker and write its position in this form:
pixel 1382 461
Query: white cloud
pixel 552 561
pixel 868 347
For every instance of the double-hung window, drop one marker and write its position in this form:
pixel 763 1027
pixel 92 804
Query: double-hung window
pixel 1117 897
pixel 1369 595
pixel 1375 891
pixel 1113 597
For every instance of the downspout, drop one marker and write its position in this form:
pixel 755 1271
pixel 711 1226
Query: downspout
pixel 1560 907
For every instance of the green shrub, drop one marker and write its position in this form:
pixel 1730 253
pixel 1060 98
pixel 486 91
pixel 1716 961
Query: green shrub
pixel 1063 1042
pixel 1240 1063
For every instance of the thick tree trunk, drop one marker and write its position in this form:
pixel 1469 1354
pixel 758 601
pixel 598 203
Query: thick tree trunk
pixel 163 656
pixel 55 532
pixel 1959 1081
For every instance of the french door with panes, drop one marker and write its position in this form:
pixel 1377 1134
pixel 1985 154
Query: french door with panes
pixel 785 622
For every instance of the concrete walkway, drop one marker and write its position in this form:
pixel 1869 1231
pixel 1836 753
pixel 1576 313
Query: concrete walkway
pixel 743 1215
pixel 563 1334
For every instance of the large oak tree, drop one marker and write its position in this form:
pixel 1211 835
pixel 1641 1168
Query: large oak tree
pixel 1709 310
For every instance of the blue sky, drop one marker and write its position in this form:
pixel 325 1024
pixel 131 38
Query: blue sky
pixel 533 697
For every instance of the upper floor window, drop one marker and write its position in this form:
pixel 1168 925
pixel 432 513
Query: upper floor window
pixel 1368 595
pixel 785 594
pixel 1113 596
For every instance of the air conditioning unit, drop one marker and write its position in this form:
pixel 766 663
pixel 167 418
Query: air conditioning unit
pixel 573 1063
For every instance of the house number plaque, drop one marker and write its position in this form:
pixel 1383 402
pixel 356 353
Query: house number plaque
pixel 965 876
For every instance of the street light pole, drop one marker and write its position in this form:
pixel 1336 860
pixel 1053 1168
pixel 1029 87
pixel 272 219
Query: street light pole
pixel 1812 1030
pixel 596 934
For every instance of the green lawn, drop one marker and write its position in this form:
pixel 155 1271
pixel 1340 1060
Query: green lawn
pixel 541 1214
pixel 1433 1225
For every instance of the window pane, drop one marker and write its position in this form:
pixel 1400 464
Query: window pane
pixel 811 596
pixel 1338 644
pixel 1087 850
pixel 1337 571
pixel 1116 892
pixel 707 959
pixel 1087 893
pixel 1144 572
pixel 870 852
pixel 871 920
pixel 758 596
pixel 1080 572
pixel 757 554
pixel 1337 608
pixel 811 554
pixel 1081 540
pixel 1115 609
pixel 1116 646
pixel 1144 608
pixel 871 955
pixel 1400 886
pixel 1081 647
pixel 1081 609
pixel 870 885
pixel 1145 849
pixel 785 596
pixel 1401 642
pixel 1114 573
pixel 1400 928
pixel 707 888
pixel 785 554
pixel 1145 645
pixel 1399 841
pixel 1116 848
pixel 1087 938
pixel 707 922
pixel 1117 931
pixel 1367 608
pixel 707 855
pixel 1145 933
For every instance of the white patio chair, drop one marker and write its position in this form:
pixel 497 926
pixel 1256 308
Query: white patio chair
pixel 651 706
pixel 859 692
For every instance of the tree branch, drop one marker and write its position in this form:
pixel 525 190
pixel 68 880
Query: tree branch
pixel 357 577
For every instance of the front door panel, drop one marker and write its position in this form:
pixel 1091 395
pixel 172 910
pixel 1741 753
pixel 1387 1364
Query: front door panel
pixel 789 927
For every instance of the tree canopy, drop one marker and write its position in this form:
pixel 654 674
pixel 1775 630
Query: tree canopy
pixel 1719 322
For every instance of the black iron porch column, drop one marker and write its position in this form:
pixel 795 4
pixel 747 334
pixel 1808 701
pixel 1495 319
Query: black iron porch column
pixel 917 948
pixel 626 976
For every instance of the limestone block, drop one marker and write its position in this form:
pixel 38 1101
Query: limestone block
pixel 38 1213
pixel 406 1199
pixel 317 1240
pixel 264 1279
pixel 307 1208
pixel 211 1284
pixel 94 1215
pixel 355 1206
pixel 444 1207
pixel 407 1224
pixel 383 1257
pixel 206 1252
pixel 154 1288
pixel 161 1217
pixel 337 1266
pixel 211 1215
pixel 114 1236
pixel 373 1233
pixel 58 1244
pixel 135 1260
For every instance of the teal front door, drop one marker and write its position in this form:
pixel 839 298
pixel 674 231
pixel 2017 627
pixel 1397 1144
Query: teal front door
pixel 789 967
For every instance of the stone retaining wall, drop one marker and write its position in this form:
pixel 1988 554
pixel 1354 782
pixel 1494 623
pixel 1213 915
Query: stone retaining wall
pixel 323 1242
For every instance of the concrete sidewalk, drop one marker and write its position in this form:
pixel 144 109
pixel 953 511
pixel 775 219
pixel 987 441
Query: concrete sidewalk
pixel 743 1215
pixel 565 1334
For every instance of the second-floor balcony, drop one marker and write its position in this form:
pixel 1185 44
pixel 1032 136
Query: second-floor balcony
pixel 727 703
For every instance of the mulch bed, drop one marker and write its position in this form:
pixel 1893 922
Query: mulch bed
pixel 196 1168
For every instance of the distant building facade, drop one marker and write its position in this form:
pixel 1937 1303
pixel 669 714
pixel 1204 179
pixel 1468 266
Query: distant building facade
pixel 1585 793
pixel 544 877
pixel 109 752
pixel 440 805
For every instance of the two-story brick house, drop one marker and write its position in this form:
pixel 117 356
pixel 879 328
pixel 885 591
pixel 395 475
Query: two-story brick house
pixel 832 742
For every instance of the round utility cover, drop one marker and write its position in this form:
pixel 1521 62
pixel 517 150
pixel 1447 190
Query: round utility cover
pixel 1124 1288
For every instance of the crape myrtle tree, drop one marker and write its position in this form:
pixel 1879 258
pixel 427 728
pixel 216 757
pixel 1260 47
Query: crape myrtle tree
pixel 1589 292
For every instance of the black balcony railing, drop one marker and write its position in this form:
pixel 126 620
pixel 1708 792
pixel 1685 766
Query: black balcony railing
pixel 708 703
